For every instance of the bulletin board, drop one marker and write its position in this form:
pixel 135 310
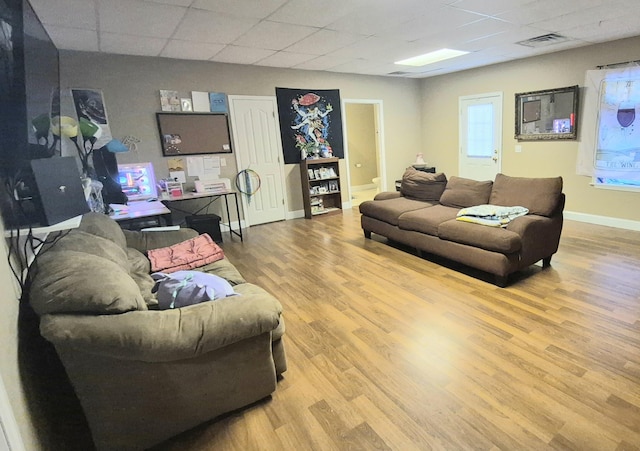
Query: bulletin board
pixel 193 133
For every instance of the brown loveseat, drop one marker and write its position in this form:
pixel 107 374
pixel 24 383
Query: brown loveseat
pixel 144 375
pixel 423 215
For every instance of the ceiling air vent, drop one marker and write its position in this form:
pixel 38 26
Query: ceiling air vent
pixel 545 39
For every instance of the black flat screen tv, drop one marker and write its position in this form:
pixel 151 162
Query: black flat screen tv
pixel 29 86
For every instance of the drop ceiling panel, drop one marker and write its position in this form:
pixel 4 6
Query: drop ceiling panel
pixel 139 18
pixel 274 35
pixel 123 44
pixel 74 39
pixel 324 41
pixel 323 62
pixel 241 55
pixel 284 59
pixel 207 26
pixel 308 12
pixel 255 9
pixel 67 13
pixel 190 50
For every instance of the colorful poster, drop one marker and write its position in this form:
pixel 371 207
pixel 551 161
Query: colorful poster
pixel 310 123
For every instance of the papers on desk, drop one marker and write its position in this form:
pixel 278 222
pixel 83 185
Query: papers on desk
pixel 119 208
pixel 205 168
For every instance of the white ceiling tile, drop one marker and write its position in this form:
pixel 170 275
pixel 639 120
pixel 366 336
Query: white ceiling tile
pixel 123 44
pixel 241 55
pixel 324 41
pixel 307 12
pixel 190 50
pixel 357 66
pixel 74 39
pixel 206 26
pixel 323 62
pixel 371 47
pixel 284 59
pixel 242 8
pixel 441 20
pixel 370 21
pixel 66 13
pixel 139 18
pixel 539 10
pixel 273 35
pixel 490 7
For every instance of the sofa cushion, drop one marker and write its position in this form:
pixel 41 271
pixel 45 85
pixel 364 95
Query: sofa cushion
pixel 542 196
pixel 426 220
pixel 461 192
pixel 494 239
pixel 102 225
pixel 390 209
pixel 77 282
pixel 88 243
pixel 140 267
pixel 225 269
pixel 422 185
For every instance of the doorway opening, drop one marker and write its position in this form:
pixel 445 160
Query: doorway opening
pixel 364 145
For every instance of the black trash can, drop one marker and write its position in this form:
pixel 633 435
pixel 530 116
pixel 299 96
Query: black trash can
pixel 206 224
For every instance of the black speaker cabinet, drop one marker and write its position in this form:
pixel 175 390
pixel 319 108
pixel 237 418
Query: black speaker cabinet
pixel 47 191
pixel 206 224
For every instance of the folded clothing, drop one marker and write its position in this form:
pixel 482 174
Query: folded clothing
pixel 193 253
pixel 491 215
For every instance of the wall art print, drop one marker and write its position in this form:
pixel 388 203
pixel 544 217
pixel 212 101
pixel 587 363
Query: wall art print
pixel 89 104
pixel 310 123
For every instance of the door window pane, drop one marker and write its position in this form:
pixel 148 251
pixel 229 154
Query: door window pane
pixel 480 131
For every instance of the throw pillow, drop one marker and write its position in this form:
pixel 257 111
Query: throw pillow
pixel 542 196
pixel 461 192
pixel 422 185
pixel 68 281
pixel 182 288
pixel 189 254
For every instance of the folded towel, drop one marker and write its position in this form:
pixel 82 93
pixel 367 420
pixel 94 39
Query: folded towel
pixel 491 215
pixel 193 253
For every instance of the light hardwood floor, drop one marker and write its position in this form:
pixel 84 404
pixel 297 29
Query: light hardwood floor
pixel 387 350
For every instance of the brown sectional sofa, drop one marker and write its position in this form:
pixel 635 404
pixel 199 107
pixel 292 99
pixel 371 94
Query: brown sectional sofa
pixel 423 215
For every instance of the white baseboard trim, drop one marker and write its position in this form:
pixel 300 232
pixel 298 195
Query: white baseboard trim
pixel 234 225
pixel 295 214
pixel 602 220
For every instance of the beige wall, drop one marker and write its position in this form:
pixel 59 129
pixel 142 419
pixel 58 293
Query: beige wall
pixel 361 135
pixel 131 84
pixel 539 158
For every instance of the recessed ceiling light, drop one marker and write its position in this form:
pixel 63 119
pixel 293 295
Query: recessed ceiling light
pixel 431 57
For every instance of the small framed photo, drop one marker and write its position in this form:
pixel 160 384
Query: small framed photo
pixel 333 186
pixel 312 176
pixel 324 173
pixel 323 189
pixel 186 104
pixel 316 172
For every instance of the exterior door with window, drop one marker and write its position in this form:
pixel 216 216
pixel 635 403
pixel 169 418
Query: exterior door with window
pixel 480 136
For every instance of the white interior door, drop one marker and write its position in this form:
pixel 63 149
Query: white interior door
pixel 480 136
pixel 256 136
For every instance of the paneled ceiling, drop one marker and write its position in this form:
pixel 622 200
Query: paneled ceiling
pixel 349 36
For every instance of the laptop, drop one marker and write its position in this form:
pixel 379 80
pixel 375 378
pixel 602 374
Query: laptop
pixel 59 187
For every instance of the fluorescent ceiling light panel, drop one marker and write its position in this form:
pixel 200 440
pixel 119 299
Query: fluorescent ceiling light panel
pixel 431 57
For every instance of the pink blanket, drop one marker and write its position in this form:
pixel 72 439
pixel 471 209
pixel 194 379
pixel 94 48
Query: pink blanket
pixel 189 254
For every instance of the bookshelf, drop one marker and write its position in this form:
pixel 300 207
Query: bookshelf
pixel 320 186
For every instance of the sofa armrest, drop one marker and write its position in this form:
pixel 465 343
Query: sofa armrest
pixel 144 241
pixel 168 335
pixel 388 195
pixel 540 235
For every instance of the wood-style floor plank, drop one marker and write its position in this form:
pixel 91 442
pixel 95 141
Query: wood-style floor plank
pixel 388 350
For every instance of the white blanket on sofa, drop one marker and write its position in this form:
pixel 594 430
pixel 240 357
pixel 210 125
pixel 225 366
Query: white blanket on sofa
pixel 491 215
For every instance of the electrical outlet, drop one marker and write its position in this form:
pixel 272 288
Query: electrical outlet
pixel 518 148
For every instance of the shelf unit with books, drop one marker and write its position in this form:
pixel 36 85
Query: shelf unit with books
pixel 320 186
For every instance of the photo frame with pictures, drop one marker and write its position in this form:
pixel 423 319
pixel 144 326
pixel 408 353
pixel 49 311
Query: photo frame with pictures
pixel 311 174
pixel 333 186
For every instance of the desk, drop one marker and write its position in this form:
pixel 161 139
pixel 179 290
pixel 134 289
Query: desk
pixel 210 198
pixel 135 211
